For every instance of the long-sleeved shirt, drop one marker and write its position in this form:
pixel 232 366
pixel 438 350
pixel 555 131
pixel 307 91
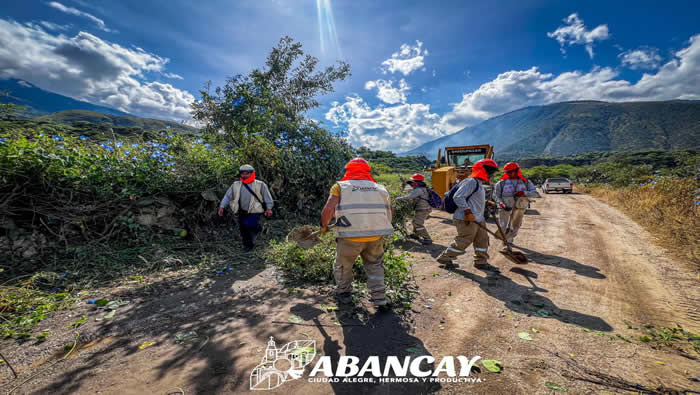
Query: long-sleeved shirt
pixel 476 202
pixel 506 189
pixel 420 195
pixel 244 199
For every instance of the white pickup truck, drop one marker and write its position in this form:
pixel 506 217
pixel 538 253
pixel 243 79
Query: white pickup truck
pixel 557 184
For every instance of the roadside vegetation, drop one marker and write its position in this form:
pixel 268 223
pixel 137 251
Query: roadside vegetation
pixel 387 161
pixel 661 191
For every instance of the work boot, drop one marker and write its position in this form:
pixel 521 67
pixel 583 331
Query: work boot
pixel 414 236
pixel 426 242
pixel 446 263
pixel 344 298
pixel 481 265
pixel 444 260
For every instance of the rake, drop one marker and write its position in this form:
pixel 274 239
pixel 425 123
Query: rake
pixel 516 257
pixel 306 238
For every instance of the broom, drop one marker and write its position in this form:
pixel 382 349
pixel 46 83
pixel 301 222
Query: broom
pixel 516 257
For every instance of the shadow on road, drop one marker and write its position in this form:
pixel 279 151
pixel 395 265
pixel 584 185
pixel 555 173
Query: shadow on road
pixel 529 275
pixel 524 300
pixel 433 249
pixel 566 263
pixel 382 335
pixel 205 304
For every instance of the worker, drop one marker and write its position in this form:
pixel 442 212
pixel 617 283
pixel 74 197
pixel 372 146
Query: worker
pixel 249 198
pixel 420 197
pixel 366 211
pixel 511 194
pixel 470 199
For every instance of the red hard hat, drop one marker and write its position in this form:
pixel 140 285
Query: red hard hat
pixel 510 166
pixel 417 177
pixel 357 161
pixel 486 162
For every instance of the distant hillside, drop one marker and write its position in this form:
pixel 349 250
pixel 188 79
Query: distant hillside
pixel 76 117
pixel 40 102
pixel 571 128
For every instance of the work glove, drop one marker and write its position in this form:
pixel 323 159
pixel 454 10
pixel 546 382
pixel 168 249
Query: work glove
pixel 221 211
pixel 469 216
pixel 504 207
pixel 519 193
pixel 268 212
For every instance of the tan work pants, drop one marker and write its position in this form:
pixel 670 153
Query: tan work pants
pixel 419 224
pixel 346 253
pixel 515 216
pixel 467 233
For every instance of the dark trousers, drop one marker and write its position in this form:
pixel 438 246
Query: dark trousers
pixel 249 225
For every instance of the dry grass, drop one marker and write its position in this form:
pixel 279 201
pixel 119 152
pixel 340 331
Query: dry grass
pixel 665 207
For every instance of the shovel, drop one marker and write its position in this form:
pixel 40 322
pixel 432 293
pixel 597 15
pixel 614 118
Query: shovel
pixel 306 239
pixel 516 257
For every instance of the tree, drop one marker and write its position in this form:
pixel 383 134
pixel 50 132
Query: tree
pixel 260 119
pixel 268 102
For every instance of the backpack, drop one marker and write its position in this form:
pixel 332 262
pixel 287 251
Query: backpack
pixel 450 205
pixel 435 201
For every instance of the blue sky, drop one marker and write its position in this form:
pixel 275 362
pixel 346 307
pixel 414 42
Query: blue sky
pixel 419 70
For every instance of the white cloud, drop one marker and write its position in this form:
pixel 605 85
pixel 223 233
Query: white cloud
pixel 386 91
pixel 679 78
pixel 407 60
pixel 87 68
pixel 574 32
pixel 644 58
pixel 173 76
pixel 397 128
pixel 53 26
pixel 74 11
pixel 407 125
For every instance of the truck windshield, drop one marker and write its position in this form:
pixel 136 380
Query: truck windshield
pixel 466 157
pixel 559 180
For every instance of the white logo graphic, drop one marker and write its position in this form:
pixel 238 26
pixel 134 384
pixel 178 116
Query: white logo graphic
pixel 282 364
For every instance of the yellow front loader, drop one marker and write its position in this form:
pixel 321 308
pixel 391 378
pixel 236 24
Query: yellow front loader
pixel 455 164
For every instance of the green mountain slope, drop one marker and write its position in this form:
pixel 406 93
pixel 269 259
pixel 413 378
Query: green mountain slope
pixel 571 128
pixel 37 101
pixel 76 117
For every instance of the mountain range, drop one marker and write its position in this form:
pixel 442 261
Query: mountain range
pixel 122 123
pixel 39 102
pixel 571 128
pixel 44 106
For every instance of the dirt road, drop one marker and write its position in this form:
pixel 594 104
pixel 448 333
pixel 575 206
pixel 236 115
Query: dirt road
pixel 594 276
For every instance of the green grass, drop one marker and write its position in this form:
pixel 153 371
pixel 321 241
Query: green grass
pixel 23 306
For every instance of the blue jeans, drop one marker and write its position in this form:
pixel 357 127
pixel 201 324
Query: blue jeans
pixel 249 225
